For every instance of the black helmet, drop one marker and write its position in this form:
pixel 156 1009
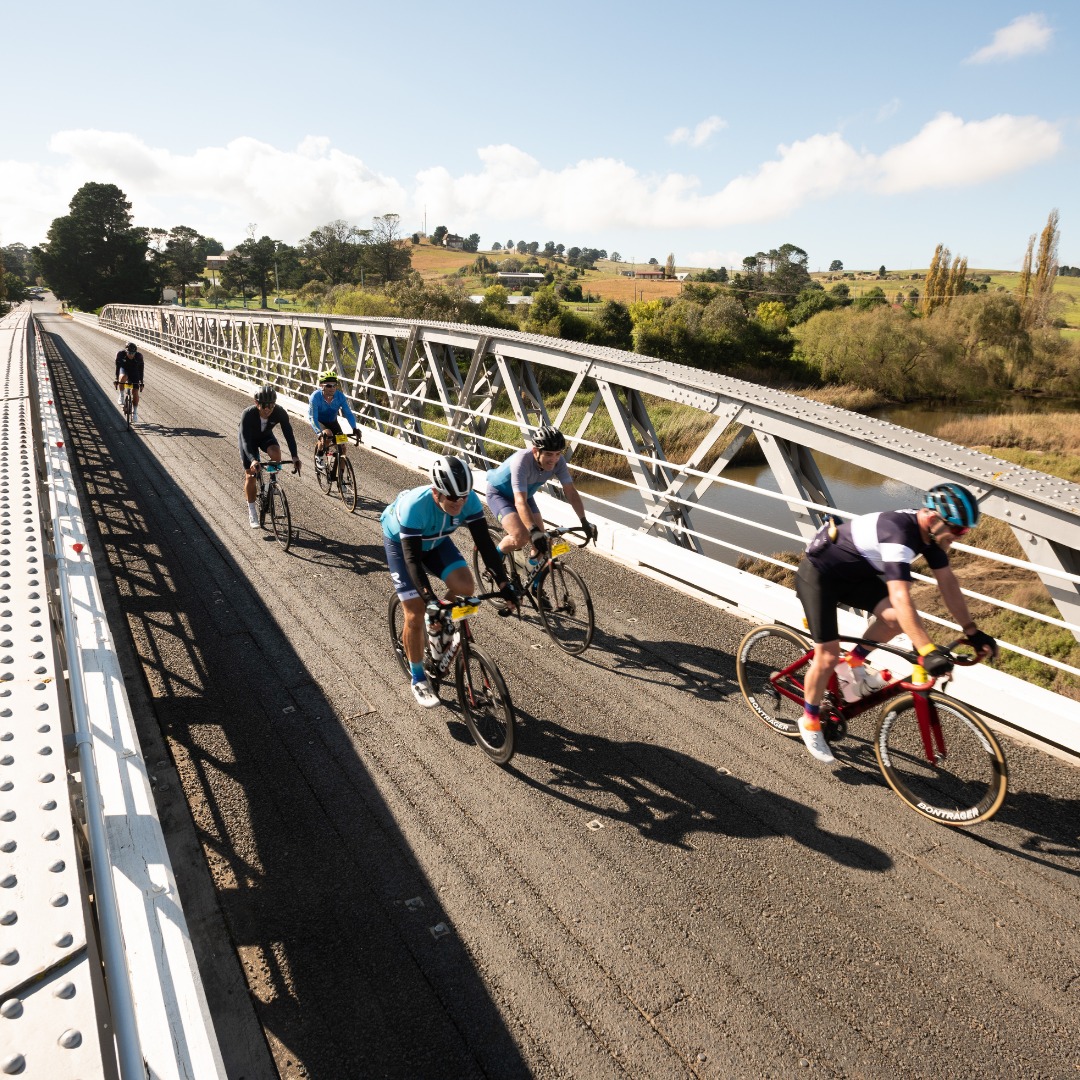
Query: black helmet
pixel 266 395
pixel 452 477
pixel 549 438
pixel 131 347
pixel 955 504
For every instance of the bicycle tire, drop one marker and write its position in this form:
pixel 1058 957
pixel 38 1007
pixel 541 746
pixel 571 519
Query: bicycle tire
pixel 566 608
pixel 485 703
pixel 347 484
pixel 761 652
pixel 280 517
pixel 129 408
pixel 395 619
pixel 322 474
pixel 967 786
pixel 485 579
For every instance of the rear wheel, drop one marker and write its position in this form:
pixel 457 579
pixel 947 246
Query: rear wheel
pixel 763 653
pixel 485 579
pixel 347 484
pixel 322 473
pixel 962 785
pixel 566 608
pixel 485 701
pixel 280 517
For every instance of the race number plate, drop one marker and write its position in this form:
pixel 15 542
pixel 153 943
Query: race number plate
pixel 560 547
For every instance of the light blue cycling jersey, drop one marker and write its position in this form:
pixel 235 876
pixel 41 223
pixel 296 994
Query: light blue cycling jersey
pixel 323 413
pixel 414 513
pixel 520 472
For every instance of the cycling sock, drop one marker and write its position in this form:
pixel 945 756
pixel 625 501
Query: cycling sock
pixel 417 672
pixel 860 652
pixel 811 710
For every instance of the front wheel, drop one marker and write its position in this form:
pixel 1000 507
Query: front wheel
pixel 280 517
pixel 129 408
pixel 347 484
pixel 566 608
pixel 763 653
pixel 967 778
pixel 485 701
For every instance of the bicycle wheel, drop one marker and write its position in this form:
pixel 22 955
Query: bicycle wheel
pixel 280 517
pixel 485 579
pixel 395 617
pixel 322 473
pixel 485 701
pixel 129 408
pixel 347 484
pixel 964 785
pixel 763 652
pixel 566 608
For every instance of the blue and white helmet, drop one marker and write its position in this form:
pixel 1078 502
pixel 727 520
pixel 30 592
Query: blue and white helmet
pixel 955 505
pixel 452 477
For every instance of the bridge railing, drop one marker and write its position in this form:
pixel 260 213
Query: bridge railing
pixel 423 388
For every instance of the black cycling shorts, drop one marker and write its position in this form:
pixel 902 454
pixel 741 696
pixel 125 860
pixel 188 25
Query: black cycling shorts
pixel 266 440
pixel 820 594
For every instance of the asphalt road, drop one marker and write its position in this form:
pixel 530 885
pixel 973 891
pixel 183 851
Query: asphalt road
pixel 659 886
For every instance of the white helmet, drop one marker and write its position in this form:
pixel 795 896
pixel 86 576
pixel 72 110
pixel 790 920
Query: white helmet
pixel 452 477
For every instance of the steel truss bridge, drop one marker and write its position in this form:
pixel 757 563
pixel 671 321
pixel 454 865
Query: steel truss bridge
pixel 435 387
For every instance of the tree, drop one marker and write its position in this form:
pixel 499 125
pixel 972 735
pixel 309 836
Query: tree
pixel 936 280
pixel 336 250
pixel 652 262
pixel 533 247
pixel 881 271
pixel 385 254
pixel 616 257
pixel 669 266
pixel 438 234
pixel 560 249
pixel 1034 293
pixel 870 299
pixel 835 266
pixel 94 254
pixel 250 267
pixel 522 247
pixel 185 258
pixel 472 243
pixel 496 246
pixel 549 249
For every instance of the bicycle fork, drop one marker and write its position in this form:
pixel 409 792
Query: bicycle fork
pixel 930 732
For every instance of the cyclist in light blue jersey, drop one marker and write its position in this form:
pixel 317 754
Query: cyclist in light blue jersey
pixel 417 527
pixel 324 406
pixel 512 484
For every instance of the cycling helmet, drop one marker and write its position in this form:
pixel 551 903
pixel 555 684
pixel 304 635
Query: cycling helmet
pixel 265 395
pixel 131 347
pixel 329 375
pixel 956 505
pixel 548 438
pixel 452 477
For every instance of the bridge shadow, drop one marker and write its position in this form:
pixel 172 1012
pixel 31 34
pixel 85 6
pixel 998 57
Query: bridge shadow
pixel 150 428
pixel 326 906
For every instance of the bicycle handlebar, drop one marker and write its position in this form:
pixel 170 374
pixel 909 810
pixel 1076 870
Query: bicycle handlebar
pixel 576 530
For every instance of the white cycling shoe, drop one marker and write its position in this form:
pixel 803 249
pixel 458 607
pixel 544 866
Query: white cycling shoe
pixel 425 695
pixel 253 518
pixel 815 741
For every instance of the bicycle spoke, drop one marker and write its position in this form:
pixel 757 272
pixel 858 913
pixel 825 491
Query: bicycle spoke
pixel 762 653
pixel 566 608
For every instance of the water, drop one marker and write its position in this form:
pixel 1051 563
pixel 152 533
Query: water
pixel 854 489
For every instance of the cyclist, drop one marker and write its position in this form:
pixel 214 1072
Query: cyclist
pixel 417 527
pixel 129 369
pixel 257 433
pixel 323 408
pixel 866 564
pixel 512 485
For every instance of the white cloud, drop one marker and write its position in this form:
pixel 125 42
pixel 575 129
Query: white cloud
pixel 713 257
pixel 700 134
pixel 287 193
pixel 888 110
pixel 1026 34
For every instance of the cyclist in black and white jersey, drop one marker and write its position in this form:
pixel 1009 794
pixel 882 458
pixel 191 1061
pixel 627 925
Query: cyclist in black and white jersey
pixel 130 365
pixel 865 563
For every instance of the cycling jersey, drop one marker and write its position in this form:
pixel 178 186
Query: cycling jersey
pixel 414 513
pixel 875 545
pixel 324 414
pixel 521 472
pixel 132 367
pixel 257 434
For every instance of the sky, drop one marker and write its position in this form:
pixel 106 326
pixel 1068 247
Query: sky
pixel 707 129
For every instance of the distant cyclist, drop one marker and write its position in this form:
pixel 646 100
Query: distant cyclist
pixel 129 369
pixel 512 485
pixel 865 563
pixel 324 405
pixel 257 434
pixel 417 527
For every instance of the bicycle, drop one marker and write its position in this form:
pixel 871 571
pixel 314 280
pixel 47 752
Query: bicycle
pixel 481 690
pixel 935 753
pixel 555 590
pixel 332 466
pixel 272 501
pixel 127 406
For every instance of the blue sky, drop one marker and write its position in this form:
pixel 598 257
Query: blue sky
pixel 712 130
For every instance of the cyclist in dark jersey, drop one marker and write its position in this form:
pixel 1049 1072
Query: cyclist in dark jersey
pixel 865 563
pixel 257 433
pixel 130 362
